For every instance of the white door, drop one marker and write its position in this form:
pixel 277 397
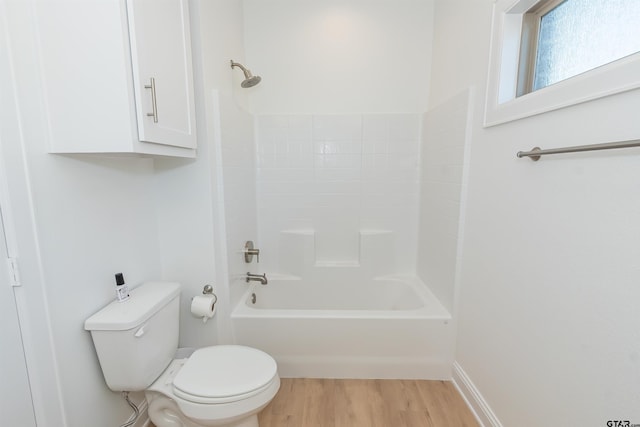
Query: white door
pixel 162 71
pixel 16 407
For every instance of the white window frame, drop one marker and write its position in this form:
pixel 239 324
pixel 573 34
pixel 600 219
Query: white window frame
pixel 502 104
pixel 529 44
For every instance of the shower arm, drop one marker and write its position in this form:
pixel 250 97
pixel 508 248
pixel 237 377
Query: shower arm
pixel 246 72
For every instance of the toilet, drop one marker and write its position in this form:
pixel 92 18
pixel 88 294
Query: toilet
pixel 136 341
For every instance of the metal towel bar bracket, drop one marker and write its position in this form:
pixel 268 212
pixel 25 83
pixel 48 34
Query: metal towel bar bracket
pixel 535 153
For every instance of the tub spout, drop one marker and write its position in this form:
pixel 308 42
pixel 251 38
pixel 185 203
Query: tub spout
pixel 262 278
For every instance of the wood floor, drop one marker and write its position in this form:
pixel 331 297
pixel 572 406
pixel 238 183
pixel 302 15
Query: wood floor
pixel 366 403
pixel 304 402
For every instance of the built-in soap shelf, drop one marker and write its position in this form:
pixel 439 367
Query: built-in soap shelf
pixel 335 264
pixel 376 254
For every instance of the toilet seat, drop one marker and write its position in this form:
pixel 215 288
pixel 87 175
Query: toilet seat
pixel 224 373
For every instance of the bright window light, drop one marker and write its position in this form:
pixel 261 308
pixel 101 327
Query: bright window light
pixel 580 35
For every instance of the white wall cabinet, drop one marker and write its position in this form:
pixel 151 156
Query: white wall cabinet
pixel 117 76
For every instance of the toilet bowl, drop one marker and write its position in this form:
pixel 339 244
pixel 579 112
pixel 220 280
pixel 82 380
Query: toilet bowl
pixel 224 386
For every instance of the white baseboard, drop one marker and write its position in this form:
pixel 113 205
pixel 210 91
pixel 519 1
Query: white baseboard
pixel 474 399
pixel 358 367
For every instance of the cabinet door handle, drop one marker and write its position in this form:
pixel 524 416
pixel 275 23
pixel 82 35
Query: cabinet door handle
pixel 154 104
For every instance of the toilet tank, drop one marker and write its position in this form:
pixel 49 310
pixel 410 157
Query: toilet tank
pixel 136 339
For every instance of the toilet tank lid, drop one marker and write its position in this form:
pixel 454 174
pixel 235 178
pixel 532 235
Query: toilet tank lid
pixel 144 301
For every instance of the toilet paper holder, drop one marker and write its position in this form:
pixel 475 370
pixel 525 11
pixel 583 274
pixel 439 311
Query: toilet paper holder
pixel 208 290
pixel 204 306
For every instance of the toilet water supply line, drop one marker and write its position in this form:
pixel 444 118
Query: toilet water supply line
pixel 136 411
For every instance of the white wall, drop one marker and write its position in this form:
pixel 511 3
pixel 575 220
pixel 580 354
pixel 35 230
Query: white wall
pixel 30 298
pixel 356 56
pixel 547 313
pixel 149 218
pixel 206 206
pixel 230 138
pixel 93 217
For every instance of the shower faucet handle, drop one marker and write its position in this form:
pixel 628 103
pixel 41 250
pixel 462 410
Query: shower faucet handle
pixel 249 252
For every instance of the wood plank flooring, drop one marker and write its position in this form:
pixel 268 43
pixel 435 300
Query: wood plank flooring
pixel 304 402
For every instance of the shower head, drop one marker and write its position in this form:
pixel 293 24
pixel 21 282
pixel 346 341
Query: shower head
pixel 249 79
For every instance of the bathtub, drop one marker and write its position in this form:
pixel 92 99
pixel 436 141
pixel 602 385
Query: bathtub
pixel 388 327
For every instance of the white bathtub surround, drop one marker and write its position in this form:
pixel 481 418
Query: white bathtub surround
pixel 337 175
pixel 443 184
pixel 387 327
pixel 376 254
pixel 338 200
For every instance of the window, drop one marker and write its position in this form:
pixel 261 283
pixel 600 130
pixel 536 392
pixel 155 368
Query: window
pixel 553 53
pixel 574 36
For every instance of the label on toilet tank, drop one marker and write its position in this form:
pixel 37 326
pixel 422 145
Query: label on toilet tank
pixel 122 292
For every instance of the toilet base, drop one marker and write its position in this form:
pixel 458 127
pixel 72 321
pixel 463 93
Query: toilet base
pixel 251 421
pixel 164 412
pixel 174 421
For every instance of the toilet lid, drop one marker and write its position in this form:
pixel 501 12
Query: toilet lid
pixel 224 371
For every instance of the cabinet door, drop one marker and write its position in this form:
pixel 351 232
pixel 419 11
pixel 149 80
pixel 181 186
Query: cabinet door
pixel 162 71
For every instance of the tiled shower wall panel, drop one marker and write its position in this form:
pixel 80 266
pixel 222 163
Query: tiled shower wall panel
pixel 337 175
pixel 444 141
pixel 237 148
